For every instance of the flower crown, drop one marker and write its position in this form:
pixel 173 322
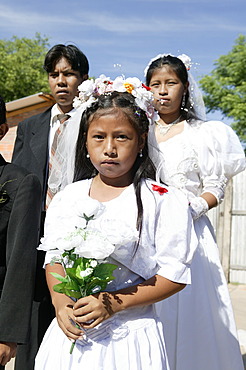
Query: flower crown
pixel 91 89
pixel 183 57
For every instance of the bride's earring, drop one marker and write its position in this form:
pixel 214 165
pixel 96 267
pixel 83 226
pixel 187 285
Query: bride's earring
pixel 141 153
pixel 183 102
pixel 87 155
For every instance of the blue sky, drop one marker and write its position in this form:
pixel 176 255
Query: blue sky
pixel 128 33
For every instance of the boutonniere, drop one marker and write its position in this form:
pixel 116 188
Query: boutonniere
pixel 4 197
pixel 161 190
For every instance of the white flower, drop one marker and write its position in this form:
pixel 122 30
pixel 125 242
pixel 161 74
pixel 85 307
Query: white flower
pixel 87 87
pixel 130 84
pixel 186 60
pixel 74 221
pixel 86 272
pixel 55 242
pixel 76 102
pixel 134 81
pixel 67 262
pixel 103 84
pixel 118 84
pixel 94 246
pixel 93 263
pixel 90 207
pixel 85 98
pixel 75 239
pixel 118 232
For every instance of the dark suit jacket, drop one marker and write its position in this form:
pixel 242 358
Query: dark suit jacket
pixel 31 146
pixel 19 224
pixel 31 152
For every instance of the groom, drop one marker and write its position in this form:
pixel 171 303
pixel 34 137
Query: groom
pixel 67 67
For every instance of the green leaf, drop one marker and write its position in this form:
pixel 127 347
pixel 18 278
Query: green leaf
pixel 72 285
pixel 105 270
pixel 72 293
pixel 59 288
pixel 71 272
pixel 67 289
pixel 59 277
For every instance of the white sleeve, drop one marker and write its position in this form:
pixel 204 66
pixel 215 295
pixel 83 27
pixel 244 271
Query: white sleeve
pixel 175 238
pixel 221 157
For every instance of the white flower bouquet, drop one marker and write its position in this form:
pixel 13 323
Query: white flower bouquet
pixel 83 250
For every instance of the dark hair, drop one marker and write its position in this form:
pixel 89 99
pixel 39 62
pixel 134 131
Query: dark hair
pixel 178 67
pixel 74 56
pixel 2 111
pixel 108 103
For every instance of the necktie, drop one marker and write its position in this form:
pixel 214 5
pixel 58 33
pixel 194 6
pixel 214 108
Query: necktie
pixel 55 161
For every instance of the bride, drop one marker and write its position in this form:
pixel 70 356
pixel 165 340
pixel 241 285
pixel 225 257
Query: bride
pixel 199 157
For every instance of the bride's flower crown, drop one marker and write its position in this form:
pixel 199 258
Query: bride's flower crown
pixel 91 89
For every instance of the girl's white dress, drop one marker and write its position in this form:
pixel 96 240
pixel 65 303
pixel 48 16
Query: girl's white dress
pixel 132 339
pixel 199 326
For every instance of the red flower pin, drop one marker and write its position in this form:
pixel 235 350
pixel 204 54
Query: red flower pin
pixel 160 189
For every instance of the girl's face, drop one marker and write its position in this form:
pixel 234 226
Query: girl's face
pixel 113 145
pixel 168 91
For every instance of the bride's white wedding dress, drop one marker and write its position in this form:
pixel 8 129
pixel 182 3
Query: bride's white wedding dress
pixel 199 326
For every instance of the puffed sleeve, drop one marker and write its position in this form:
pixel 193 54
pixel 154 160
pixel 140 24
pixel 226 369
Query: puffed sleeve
pixel 221 157
pixel 175 238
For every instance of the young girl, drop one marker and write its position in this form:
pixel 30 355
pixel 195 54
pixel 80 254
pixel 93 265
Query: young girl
pixel 199 157
pixel 119 328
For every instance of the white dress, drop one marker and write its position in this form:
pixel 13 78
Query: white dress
pixel 132 339
pixel 199 326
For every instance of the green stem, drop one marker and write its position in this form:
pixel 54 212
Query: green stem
pixel 73 344
pixel 72 347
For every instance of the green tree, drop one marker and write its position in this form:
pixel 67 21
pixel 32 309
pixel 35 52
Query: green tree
pixel 225 87
pixel 21 67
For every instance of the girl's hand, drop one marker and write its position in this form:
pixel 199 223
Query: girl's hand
pixel 63 304
pixel 93 310
pixel 65 318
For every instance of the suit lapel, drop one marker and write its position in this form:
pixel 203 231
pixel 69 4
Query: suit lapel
pixel 2 165
pixel 39 140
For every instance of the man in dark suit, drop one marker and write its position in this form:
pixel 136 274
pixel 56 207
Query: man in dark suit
pixel 20 197
pixel 67 68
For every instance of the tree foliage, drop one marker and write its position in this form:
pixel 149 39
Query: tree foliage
pixel 21 67
pixel 225 87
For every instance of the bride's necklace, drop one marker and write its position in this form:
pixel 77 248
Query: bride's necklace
pixel 164 129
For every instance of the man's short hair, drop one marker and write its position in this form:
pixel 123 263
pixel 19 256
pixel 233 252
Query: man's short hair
pixel 2 111
pixel 74 56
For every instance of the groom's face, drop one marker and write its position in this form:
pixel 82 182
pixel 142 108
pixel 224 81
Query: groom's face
pixel 64 82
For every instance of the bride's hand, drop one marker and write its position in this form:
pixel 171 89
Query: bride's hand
pixel 93 310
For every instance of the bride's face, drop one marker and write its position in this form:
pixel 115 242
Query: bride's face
pixel 168 91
